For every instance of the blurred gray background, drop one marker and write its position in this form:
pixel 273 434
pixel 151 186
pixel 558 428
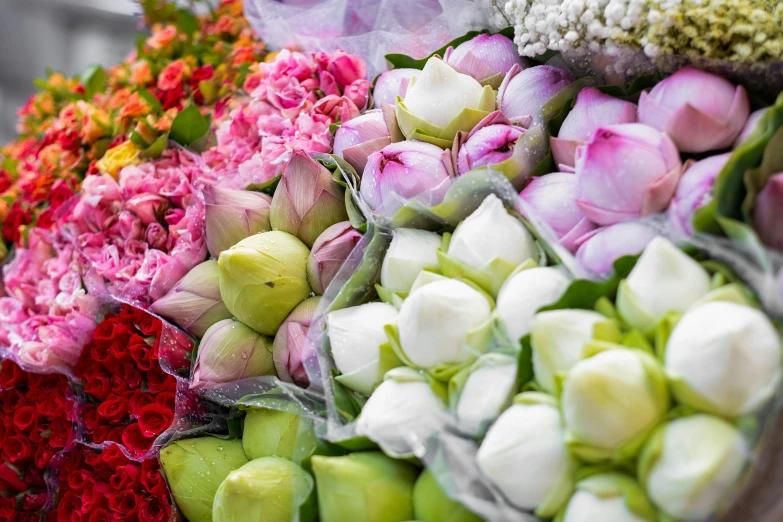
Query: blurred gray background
pixel 66 35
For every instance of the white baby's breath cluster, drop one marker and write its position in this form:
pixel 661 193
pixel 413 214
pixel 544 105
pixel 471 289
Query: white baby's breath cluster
pixel 709 28
pixel 574 25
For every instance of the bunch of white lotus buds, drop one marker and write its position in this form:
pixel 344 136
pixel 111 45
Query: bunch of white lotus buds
pixel 650 387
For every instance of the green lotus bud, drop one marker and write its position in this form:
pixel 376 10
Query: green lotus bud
pixel 231 351
pixel 307 201
pixel 195 468
pixel 271 489
pixel 263 278
pixel 274 433
pixel 611 402
pixel 431 504
pixel 367 486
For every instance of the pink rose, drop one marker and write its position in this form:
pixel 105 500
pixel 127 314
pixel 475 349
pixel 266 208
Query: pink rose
pixel 156 236
pixel 328 84
pixel 336 108
pixel 358 92
pixel 129 226
pixel 346 68
pixel 147 207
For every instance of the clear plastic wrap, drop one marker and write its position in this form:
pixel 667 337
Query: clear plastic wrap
pixel 370 30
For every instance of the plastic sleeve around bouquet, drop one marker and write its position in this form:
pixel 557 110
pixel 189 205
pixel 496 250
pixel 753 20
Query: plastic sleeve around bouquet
pixel 132 387
pixel 366 29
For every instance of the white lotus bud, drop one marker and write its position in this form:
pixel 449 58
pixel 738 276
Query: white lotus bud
pixel 410 252
pixel 559 337
pixel 611 401
pixel 437 320
pixel 691 465
pixel 524 293
pixel 402 411
pixel 609 497
pixel 355 335
pixel 491 241
pixel 724 358
pixel 665 279
pixel 488 386
pixel 424 278
pixel 529 436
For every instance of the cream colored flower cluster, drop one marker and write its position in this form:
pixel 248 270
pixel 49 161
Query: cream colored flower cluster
pixel 723 29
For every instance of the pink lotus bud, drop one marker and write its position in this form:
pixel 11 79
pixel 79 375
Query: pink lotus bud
pixel 694 190
pixel 329 252
pixel 194 303
pixel 291 347
pixel 552 198
pixel 358 92
pixel 599 249
pixel 626 171
pixel 750 126
pixel 233 215
pixel 391 84
pixel 307 201
pixel 768 211
pixel 488 146
pixel 147 207
pixel 699 110
pixel 356 139
pixel 484 56
pixel 592 110
pixel 231 351
pixel 404 171
pixel 523 93
pixel 346 68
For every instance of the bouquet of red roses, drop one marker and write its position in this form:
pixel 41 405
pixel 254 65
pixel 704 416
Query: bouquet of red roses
pixel 34 426
pixel 102 486
pixel 129 391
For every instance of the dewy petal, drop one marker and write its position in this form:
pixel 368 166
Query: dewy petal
pixel 225 227
pixel 564 150
pixel 593 110
pixel 660 192
pixel 696 131
pixel 391 84
pixel 357 155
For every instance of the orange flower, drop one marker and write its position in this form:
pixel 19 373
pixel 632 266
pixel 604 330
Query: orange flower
pixel 243 55
pixel 141 74
pixel 134 107
pixel 118 99
pixel 173 75
pixel 162 37
pixel 95 125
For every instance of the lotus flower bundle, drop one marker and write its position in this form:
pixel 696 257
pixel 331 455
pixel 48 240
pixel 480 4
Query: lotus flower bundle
pixel 509 279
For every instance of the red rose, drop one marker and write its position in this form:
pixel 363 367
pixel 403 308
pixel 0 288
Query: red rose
pixel 101 434
pixel 138 399
pixel 34 501
pixel 45 219
pixel 113 457
pixel 11 478
pixel 154 420
pixel 43 455
pixel 140 352
pixel 17 449
pixel 200 74
pixel 135 440
pixel 99 515
pixel 110 330
pixel 68 505
pixel 126 477
pixel 61 433
pixel 59 194
pixel 158 380
pixel 11 375
pixel 24 418
pixel 147 324
pixel 172 98
pixel 114 408
pixel 12 400
pixel 167 400
pixel 99 352
pixel 132 378
pixel 99 386
pixel 14 221
pixel 119 349
pixel 115 435
pixel 90 417
pixel 151 477
pixel 51 405
pixel 153 509
pixel 124 504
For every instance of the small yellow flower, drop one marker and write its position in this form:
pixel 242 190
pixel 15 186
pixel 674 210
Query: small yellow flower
pixel 118 158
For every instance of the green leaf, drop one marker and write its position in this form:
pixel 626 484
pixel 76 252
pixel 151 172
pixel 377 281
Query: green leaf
pixel 267 187
pixel 150 100
pixel 156 149
pixel 525 363
pixel 585 294
pixel 187 22
pixel 189 126
pixel 94 80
